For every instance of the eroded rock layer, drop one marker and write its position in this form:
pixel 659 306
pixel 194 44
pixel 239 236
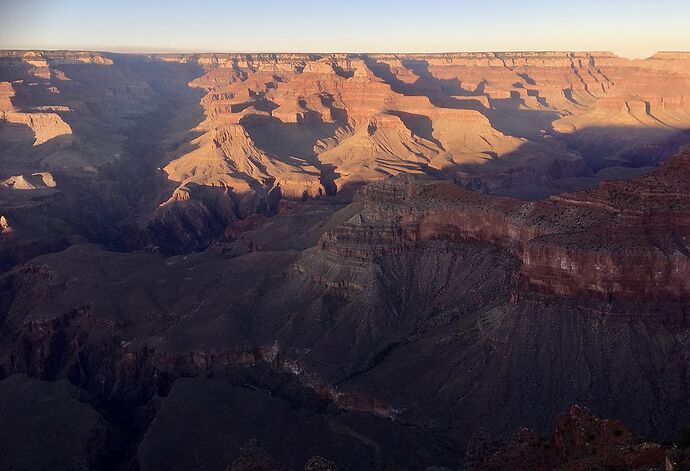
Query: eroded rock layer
pixel 203 140
pixel 340 119
pixel 621 240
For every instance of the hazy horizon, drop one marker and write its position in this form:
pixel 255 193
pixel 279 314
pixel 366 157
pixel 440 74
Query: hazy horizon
pixel 134 50
pixel 355 26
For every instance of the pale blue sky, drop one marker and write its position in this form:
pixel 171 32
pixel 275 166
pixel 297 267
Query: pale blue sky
pixel 632 28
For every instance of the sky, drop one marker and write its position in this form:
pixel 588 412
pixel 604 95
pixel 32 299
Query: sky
pixel 630 28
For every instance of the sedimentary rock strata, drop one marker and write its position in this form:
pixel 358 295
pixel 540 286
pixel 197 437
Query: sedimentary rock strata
pixel 271 127
pixel 343 118
pixel 621 240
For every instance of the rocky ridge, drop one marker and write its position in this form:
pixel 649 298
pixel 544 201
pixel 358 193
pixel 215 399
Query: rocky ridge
pixel 619 241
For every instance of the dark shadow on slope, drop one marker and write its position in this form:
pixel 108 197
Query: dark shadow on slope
pixel 339 115
pixel 528 80
pixel 12 69
pixel 603 147
pixel 131 105
pixel 259 104
pixel 509 115
pixel 568 162
pixel 293 143
pixel 439 91
pixel 383 71
pixel 428 82
pixel 419 124
pixel 16 142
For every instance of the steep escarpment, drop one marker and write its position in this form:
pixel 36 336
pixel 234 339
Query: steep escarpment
pixel 430 338
pixel 510 123
pixel 261 128
pixel 513 123
pixel 620 241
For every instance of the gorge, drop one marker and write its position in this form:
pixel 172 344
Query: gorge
pixel 344 261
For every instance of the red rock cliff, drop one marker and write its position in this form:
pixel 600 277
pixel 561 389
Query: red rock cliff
pixel 622 240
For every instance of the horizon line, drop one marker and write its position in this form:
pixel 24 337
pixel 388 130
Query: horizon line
pixel 154 51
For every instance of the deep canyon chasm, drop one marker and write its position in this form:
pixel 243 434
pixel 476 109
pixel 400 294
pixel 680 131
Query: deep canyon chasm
pixel 344 261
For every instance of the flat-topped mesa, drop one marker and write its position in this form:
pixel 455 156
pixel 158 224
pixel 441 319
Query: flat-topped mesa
pixel 676 62
pixel 77 57
pixel 671 55
pixel 620 241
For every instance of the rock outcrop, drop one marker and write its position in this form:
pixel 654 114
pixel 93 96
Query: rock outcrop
pixel 581 441
pixel 29 182
pixel 5 225
pixel 620 241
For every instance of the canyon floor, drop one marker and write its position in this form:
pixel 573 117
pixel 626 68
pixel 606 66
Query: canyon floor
pixel 344 261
